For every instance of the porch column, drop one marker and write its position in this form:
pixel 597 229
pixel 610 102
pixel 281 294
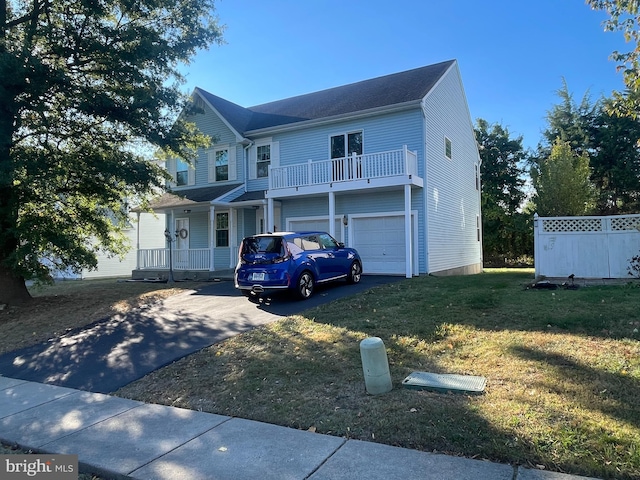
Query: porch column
pixel 212 237
pixel 270 220
pixel 332 214
pixel 138 241
pixel 407 231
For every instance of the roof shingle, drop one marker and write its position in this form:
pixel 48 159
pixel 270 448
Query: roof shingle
pixel 388 90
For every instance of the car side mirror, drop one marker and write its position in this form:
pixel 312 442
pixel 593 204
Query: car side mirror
pixel 340 245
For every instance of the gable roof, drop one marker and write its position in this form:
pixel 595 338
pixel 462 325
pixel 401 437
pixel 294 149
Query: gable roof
pixel 385 91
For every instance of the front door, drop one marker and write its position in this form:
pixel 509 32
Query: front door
pixel 181 254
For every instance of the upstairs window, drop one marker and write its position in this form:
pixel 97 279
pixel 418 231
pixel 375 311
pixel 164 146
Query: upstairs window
pixel 182 173
pixel 263 161
pixel 346 145
pixel 447 148
pixel 222 165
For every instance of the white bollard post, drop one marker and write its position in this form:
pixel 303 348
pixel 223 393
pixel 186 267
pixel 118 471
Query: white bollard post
pixel 375 366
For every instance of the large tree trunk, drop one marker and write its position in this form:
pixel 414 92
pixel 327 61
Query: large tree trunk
pixel 13 290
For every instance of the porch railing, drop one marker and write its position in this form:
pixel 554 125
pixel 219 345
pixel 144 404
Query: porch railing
pixel 158 258
pixel 356 167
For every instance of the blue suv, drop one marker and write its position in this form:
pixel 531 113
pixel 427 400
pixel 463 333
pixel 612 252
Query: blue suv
pixel 296 261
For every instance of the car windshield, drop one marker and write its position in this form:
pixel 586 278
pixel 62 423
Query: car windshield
pixel 262 245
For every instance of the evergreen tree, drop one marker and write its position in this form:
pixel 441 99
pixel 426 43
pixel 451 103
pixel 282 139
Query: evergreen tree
pixel 505 233
pixel 615 161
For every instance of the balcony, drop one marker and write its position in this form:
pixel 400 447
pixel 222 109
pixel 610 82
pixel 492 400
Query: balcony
pixel 373 170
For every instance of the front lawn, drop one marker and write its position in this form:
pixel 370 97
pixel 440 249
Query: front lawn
pixel 562 369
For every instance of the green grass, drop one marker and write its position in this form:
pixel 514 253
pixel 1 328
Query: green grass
pixel 562 369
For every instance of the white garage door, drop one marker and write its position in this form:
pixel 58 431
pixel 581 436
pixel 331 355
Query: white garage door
pixel 319 225
pixel 381 244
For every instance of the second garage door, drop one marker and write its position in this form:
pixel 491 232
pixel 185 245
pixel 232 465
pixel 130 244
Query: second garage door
pixel 380 241
pixel 321 225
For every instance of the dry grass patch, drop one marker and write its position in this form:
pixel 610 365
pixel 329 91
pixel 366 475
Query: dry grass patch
pixel 563 371
pixel 56 309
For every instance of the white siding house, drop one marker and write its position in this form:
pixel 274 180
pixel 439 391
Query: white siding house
pixel 387 165
pixel 146 230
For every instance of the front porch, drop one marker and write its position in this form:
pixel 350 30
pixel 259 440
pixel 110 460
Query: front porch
pixel 185 264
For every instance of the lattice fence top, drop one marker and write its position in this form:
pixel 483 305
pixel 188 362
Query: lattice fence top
pixel 625 223
pixel 572 225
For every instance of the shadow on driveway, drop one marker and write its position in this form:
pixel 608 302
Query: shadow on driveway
pixel 115 351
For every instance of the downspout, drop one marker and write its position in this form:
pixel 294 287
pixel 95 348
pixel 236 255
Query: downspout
pixel 246 162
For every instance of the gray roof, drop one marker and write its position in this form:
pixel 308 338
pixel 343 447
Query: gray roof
pixel 185 198
pixel 394 89
pixel 250 196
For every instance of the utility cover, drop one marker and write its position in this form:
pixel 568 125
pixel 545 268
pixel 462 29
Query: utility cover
pixel 442 382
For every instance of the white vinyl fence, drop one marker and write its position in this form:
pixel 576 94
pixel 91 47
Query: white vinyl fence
pixel 587 247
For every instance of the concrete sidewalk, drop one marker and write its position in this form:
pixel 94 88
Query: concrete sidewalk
pixel 119 438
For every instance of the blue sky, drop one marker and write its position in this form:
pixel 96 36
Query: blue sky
pixel 512 54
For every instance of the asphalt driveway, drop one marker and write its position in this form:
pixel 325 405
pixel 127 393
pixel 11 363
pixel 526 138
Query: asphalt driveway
pixel 118 350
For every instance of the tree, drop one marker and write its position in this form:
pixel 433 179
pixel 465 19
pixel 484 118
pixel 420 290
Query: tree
pixel 615 161
pixel 624 16
pixel 87 89
pixel 569 121
pixel 504 233
pixel 562 183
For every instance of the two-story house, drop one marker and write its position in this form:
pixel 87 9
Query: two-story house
pixel 389 166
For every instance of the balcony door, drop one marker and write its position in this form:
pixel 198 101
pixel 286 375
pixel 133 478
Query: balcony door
pixel 346 153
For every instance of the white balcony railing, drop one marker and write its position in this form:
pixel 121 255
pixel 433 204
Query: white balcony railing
pixel 158 259
pixel 356 167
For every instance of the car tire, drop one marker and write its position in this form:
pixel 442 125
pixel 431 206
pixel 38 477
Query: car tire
pixel 355 273
pixel 306 283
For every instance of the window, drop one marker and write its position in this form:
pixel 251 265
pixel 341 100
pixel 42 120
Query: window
pixel 328 242
pixel 311 243
pixel 478 227
pixel 447 148
pixel 222 165
pixel 222 229
pixel 263 161
pixel 182 173
pixel 477 176
pixel 346 144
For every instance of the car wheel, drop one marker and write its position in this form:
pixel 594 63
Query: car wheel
pixel 305 285
pixel 355 273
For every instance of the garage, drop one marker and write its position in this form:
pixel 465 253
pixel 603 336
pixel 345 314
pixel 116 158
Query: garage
pixel 380 241
pixel 314 224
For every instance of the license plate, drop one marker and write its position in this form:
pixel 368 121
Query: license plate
pixel 258 277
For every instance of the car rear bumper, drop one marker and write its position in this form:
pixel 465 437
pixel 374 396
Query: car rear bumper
pixel 258 289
